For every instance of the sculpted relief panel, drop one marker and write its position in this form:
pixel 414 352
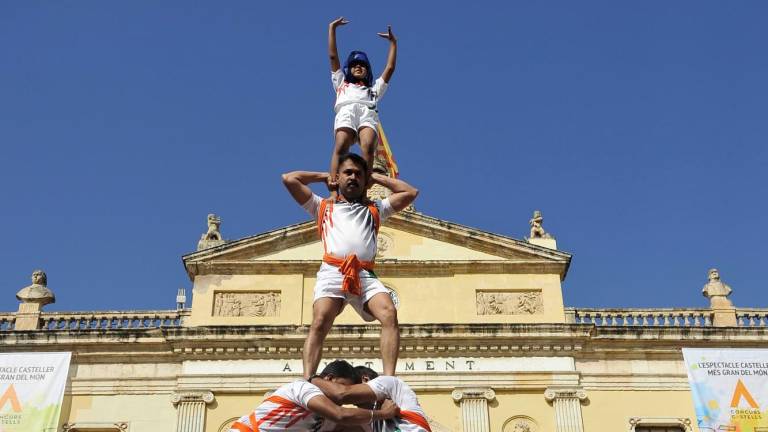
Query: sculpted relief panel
pixel 520 423
pixel 509 303
pixel 246 304
pixel 384 243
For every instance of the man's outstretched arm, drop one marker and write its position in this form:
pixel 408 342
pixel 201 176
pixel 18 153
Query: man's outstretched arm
pixel 333 53
pixel 389 70
pixel 345 394
pixel 403 194
pixel 351 416
pixel 296 182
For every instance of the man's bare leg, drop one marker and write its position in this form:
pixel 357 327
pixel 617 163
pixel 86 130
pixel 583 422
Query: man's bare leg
pixel 324 312
pixel 368 143
pixel 344 138
pixel 382 308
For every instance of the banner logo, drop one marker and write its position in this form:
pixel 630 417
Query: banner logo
pixel 10 396
pixel 739 392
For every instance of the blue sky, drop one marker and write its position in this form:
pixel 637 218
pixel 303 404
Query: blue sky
pixel 638 128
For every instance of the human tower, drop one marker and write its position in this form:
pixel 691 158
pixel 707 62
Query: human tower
pixel 348 224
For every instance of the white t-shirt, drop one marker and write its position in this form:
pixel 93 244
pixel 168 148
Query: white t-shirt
pixel 286 410
pixel 349 230
pixel 389 387
pixel 350 93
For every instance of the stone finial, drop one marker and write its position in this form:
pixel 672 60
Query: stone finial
pixel 537 230
pixel 538 235
pixel 38 292
pixel 212 237
pixel 717 291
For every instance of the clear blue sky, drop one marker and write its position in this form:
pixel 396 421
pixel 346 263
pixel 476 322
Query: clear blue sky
pixel 638 128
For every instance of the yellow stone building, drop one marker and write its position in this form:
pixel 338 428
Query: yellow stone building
pixel 486 340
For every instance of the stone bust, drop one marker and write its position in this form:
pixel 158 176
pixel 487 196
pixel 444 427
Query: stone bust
pixel 537 230
pixel 717 291
pixel 38 292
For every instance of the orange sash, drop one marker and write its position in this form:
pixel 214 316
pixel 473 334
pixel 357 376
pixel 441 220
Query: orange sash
pixel 349 267
pixel 415 418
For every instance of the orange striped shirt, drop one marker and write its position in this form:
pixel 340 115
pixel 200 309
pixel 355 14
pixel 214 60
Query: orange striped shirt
pixel 285 411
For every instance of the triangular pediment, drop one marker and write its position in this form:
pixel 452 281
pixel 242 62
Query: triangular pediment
pixel 393 244
pixel 408 237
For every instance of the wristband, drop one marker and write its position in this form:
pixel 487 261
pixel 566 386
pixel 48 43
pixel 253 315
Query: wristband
pixel 371 417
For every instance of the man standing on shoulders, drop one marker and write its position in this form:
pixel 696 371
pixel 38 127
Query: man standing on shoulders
pixel 348 227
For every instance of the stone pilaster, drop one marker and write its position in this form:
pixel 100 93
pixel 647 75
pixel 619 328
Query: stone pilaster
pixel 474 408
pixel 567 404
pixel 190 410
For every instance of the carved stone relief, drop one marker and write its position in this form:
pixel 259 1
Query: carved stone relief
pixel 520 423
pixel 384 243
pixel 246 304
pixel 509 303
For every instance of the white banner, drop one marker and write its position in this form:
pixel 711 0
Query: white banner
pixel 729 388
pixel 31 390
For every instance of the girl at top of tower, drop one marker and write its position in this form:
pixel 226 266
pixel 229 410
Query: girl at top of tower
pixel 357 96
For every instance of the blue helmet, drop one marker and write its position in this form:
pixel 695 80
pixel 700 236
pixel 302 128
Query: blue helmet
pixel 358 57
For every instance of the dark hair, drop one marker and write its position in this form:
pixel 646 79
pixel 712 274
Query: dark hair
pixel 341 369
pixel 356 158
pixel 363 371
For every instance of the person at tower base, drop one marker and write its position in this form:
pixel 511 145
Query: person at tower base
pixel 348 226
pixel 357 97
pixel 302 407
pixel 377 390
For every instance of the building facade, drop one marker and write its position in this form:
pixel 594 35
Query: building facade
pixel 487 343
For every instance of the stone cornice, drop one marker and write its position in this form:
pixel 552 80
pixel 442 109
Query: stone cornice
pixel 232 342
pixel 384 267
pixel 617 340
pixel 418 340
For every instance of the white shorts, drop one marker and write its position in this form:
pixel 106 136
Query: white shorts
pixel 356 116
pixel 329 285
